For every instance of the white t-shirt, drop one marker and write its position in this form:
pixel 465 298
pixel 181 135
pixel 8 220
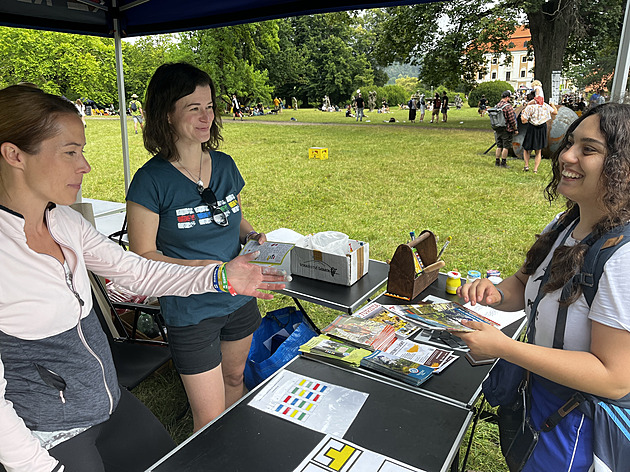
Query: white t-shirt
pixel 611 305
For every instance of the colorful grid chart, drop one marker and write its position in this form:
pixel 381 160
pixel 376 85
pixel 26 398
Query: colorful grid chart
pixel 311 403
pixel 302 400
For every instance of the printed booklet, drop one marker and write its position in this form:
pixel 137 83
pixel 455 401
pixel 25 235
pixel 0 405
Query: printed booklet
pixel 362 333
pixel 397 367
pixel 376 312
pixel 323 346
pixel 445 316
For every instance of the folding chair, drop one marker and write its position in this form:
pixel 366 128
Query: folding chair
pixel 135 359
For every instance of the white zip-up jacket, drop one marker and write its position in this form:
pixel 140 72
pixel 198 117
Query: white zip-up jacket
pixel 56 371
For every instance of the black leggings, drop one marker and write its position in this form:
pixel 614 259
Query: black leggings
pixel 131 440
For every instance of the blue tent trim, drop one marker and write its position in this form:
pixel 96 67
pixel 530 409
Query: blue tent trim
pixel 145 17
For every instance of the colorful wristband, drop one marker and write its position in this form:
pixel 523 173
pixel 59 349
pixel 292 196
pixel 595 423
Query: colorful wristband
pixel 249 235
pixel 231 289
pixel 215 279
pixel 224 282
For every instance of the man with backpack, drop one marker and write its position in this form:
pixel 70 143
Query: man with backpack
pixel 135 108
pixel 503 122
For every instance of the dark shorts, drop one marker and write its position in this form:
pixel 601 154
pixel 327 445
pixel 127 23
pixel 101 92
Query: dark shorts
pixel 503 138
pixel 197 348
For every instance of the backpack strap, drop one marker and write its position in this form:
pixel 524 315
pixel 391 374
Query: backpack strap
pixel 559 226
pixel 598 253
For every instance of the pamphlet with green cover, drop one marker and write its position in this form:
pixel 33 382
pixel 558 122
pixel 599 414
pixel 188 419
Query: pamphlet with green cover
pixel 323 346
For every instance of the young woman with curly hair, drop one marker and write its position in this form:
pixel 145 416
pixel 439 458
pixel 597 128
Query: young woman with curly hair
pixel 592 171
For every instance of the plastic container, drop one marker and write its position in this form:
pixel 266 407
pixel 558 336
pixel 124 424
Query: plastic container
pixel 454 280
pixel 473 275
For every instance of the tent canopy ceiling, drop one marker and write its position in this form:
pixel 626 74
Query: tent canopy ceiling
pixel 144 17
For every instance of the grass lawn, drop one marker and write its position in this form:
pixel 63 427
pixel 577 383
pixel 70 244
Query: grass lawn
pixel 381 181
pixel 466 117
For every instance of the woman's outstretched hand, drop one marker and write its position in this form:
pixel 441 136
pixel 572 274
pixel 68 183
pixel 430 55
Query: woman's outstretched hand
pixel 249 279
pixel 480 291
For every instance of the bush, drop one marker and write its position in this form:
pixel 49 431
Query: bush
pixel 492 91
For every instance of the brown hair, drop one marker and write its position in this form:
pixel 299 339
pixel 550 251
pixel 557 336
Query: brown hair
pixel 614 124
pixel 169 83
pixel 28 116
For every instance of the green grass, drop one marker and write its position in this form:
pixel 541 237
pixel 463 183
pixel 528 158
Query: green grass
pixel 466 117
pixel 381 181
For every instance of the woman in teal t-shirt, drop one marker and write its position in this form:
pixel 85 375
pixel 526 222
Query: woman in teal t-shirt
pixel 184 205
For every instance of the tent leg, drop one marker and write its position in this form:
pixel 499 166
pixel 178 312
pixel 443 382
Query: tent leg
pixel 123 105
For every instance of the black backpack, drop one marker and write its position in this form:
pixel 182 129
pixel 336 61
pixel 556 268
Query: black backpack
pixel 133 106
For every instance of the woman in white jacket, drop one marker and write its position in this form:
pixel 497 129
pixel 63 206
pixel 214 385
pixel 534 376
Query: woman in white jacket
pixel 60 404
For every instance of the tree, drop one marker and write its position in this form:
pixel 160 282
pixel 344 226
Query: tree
pixel 410 34
pixel 323 55
pixel 64 64
pixel 232 56
pixel 476 27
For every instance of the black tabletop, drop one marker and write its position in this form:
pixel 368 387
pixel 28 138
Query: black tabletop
pixel 339 297
pixel 460 381
pixel 404 424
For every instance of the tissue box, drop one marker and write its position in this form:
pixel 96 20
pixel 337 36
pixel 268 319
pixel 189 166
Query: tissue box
pixel 342 270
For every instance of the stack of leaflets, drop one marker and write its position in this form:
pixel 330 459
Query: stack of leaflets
pixel 397 367
pixel 336 351
pixel 423 354
pixel 444 316
pixel 376 312
pixel 362 333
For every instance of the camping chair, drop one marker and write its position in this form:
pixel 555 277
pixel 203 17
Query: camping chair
pixel 135 359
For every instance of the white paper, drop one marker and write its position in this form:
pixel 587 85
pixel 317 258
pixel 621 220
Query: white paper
pixel 317 405
pixel 502 318
pixel 341 455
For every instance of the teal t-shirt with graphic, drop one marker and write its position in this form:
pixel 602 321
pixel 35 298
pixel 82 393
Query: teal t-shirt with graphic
pixel 186 229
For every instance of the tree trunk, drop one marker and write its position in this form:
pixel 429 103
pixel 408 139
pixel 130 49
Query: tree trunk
pixel 550 27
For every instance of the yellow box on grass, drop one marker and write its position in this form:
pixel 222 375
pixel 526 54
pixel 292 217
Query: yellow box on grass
pixel 318 153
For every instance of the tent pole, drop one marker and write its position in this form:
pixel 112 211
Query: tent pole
pixel 620 79
pixel 120 79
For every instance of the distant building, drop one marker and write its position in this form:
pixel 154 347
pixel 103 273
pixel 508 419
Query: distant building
pixel 520 71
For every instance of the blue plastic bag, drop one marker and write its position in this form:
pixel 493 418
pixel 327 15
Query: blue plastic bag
pixel 275 342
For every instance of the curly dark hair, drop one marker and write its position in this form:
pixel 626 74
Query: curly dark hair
pixel 169 83
pixel 614 124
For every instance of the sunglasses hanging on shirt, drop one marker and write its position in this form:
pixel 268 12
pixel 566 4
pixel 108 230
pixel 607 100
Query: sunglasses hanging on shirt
pixel 210 199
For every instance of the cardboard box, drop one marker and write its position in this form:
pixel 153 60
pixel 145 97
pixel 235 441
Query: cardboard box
pixel 318 153
pixel 342 270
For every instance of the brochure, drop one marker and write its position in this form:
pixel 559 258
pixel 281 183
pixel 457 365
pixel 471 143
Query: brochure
pixel 332 349
pixel 376 312
pixel 405 370
pixel 445 316
pixel 430 356
pixel 362 333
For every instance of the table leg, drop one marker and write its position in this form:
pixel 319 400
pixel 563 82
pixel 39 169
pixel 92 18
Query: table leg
pixel 472 435
pixel 306 317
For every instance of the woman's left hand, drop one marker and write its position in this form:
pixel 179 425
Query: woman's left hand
pixel 485 341
pixel 260 237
